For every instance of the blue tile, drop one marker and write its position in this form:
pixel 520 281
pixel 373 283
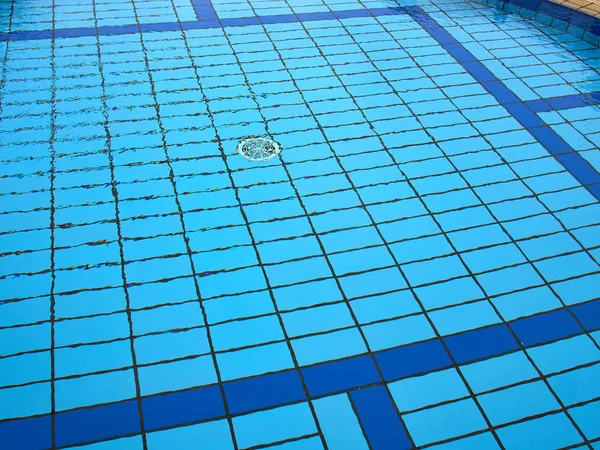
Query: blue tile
pixel 379 419
pixel 571 101
pixel 524 115
pixel 586 418
pixel 98 423
pixel 177 408
pixel 26 434
pixel 430 389
pixel 545 327
pixel 547 432
pixel 518 402
pixel 482 343
pixel 215 435
pixel 413 359
pixel 588 314
pixel 284 18
pixel 339 423
pixel 340 375
pixel 257 428
pixel 500 92
pixel 479 71
pixel 264 391
pixel 452 419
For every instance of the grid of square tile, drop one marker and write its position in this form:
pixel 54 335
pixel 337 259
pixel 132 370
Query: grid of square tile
pixel 142 255
pixel 41 15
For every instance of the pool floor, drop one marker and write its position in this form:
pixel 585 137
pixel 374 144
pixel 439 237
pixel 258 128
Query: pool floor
pixel 418 268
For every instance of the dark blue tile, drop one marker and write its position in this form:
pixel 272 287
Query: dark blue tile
pixel 545 327
pixel 570 101
pixel 595 97
pixel 546 7
pixel 524 115
pixel 482 343
pixel 588 314
pixel 205 13
pixel 552 141
pixel 263 391
pixel 530 5
pixel 579 19
pixel 351 14
pixel 500 92
pixel 199 25
pixel 30 35
pixel 441 36
pixel 479 71
pixel 282 18
pixel 579 168
pixel 412 359
pixel 33 433
pixel 98 423
pixel 458 52
pixel 562 13
pixel 379 419
pixel 164 26
pixel 118 31
pixel 538 105
pixel 593 26
pixel 594 190
pixel 414 10
pixel 311 17
pixel 340 375
pixel 76 32
pixel 513 3
pixel 177 408
pixel 239 21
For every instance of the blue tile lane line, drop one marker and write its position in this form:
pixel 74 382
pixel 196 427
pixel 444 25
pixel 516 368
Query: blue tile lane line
pixel 379 419
pixel 565 102
pixel 574 163
pixel 271 390
pixel 203 10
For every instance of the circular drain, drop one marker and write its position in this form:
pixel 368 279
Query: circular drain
pixel 258 149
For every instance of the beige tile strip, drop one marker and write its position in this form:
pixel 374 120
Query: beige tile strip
pixel 590 7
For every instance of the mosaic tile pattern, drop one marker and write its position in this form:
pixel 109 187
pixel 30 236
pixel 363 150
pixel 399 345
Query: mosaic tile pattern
pixel 419 268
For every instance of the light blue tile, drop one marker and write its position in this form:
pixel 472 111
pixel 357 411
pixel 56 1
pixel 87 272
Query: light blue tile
pixel 329 346
pixel 257 428
pixel 418 392
pixel 213 436
pixel 453 419
pixel 339 423
pixel 518 402
pixel 545 433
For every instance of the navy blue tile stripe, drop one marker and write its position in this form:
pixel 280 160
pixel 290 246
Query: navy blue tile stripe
pixel 204 10
pixel 271 390
pixel 206 19
pixel 564 102
pixel 379 419
pixel 572 161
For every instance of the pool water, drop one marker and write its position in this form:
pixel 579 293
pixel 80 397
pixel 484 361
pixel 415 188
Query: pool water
pixel 418 267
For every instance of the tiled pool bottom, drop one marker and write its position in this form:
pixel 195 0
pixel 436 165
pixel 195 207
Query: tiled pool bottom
pixel 419 267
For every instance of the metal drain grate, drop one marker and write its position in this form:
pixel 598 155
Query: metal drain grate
pixel 258 149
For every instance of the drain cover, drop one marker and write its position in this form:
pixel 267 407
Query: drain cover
pixel 258 149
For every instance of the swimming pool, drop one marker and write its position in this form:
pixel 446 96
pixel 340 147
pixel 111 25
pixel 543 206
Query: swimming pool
pixel 417 268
